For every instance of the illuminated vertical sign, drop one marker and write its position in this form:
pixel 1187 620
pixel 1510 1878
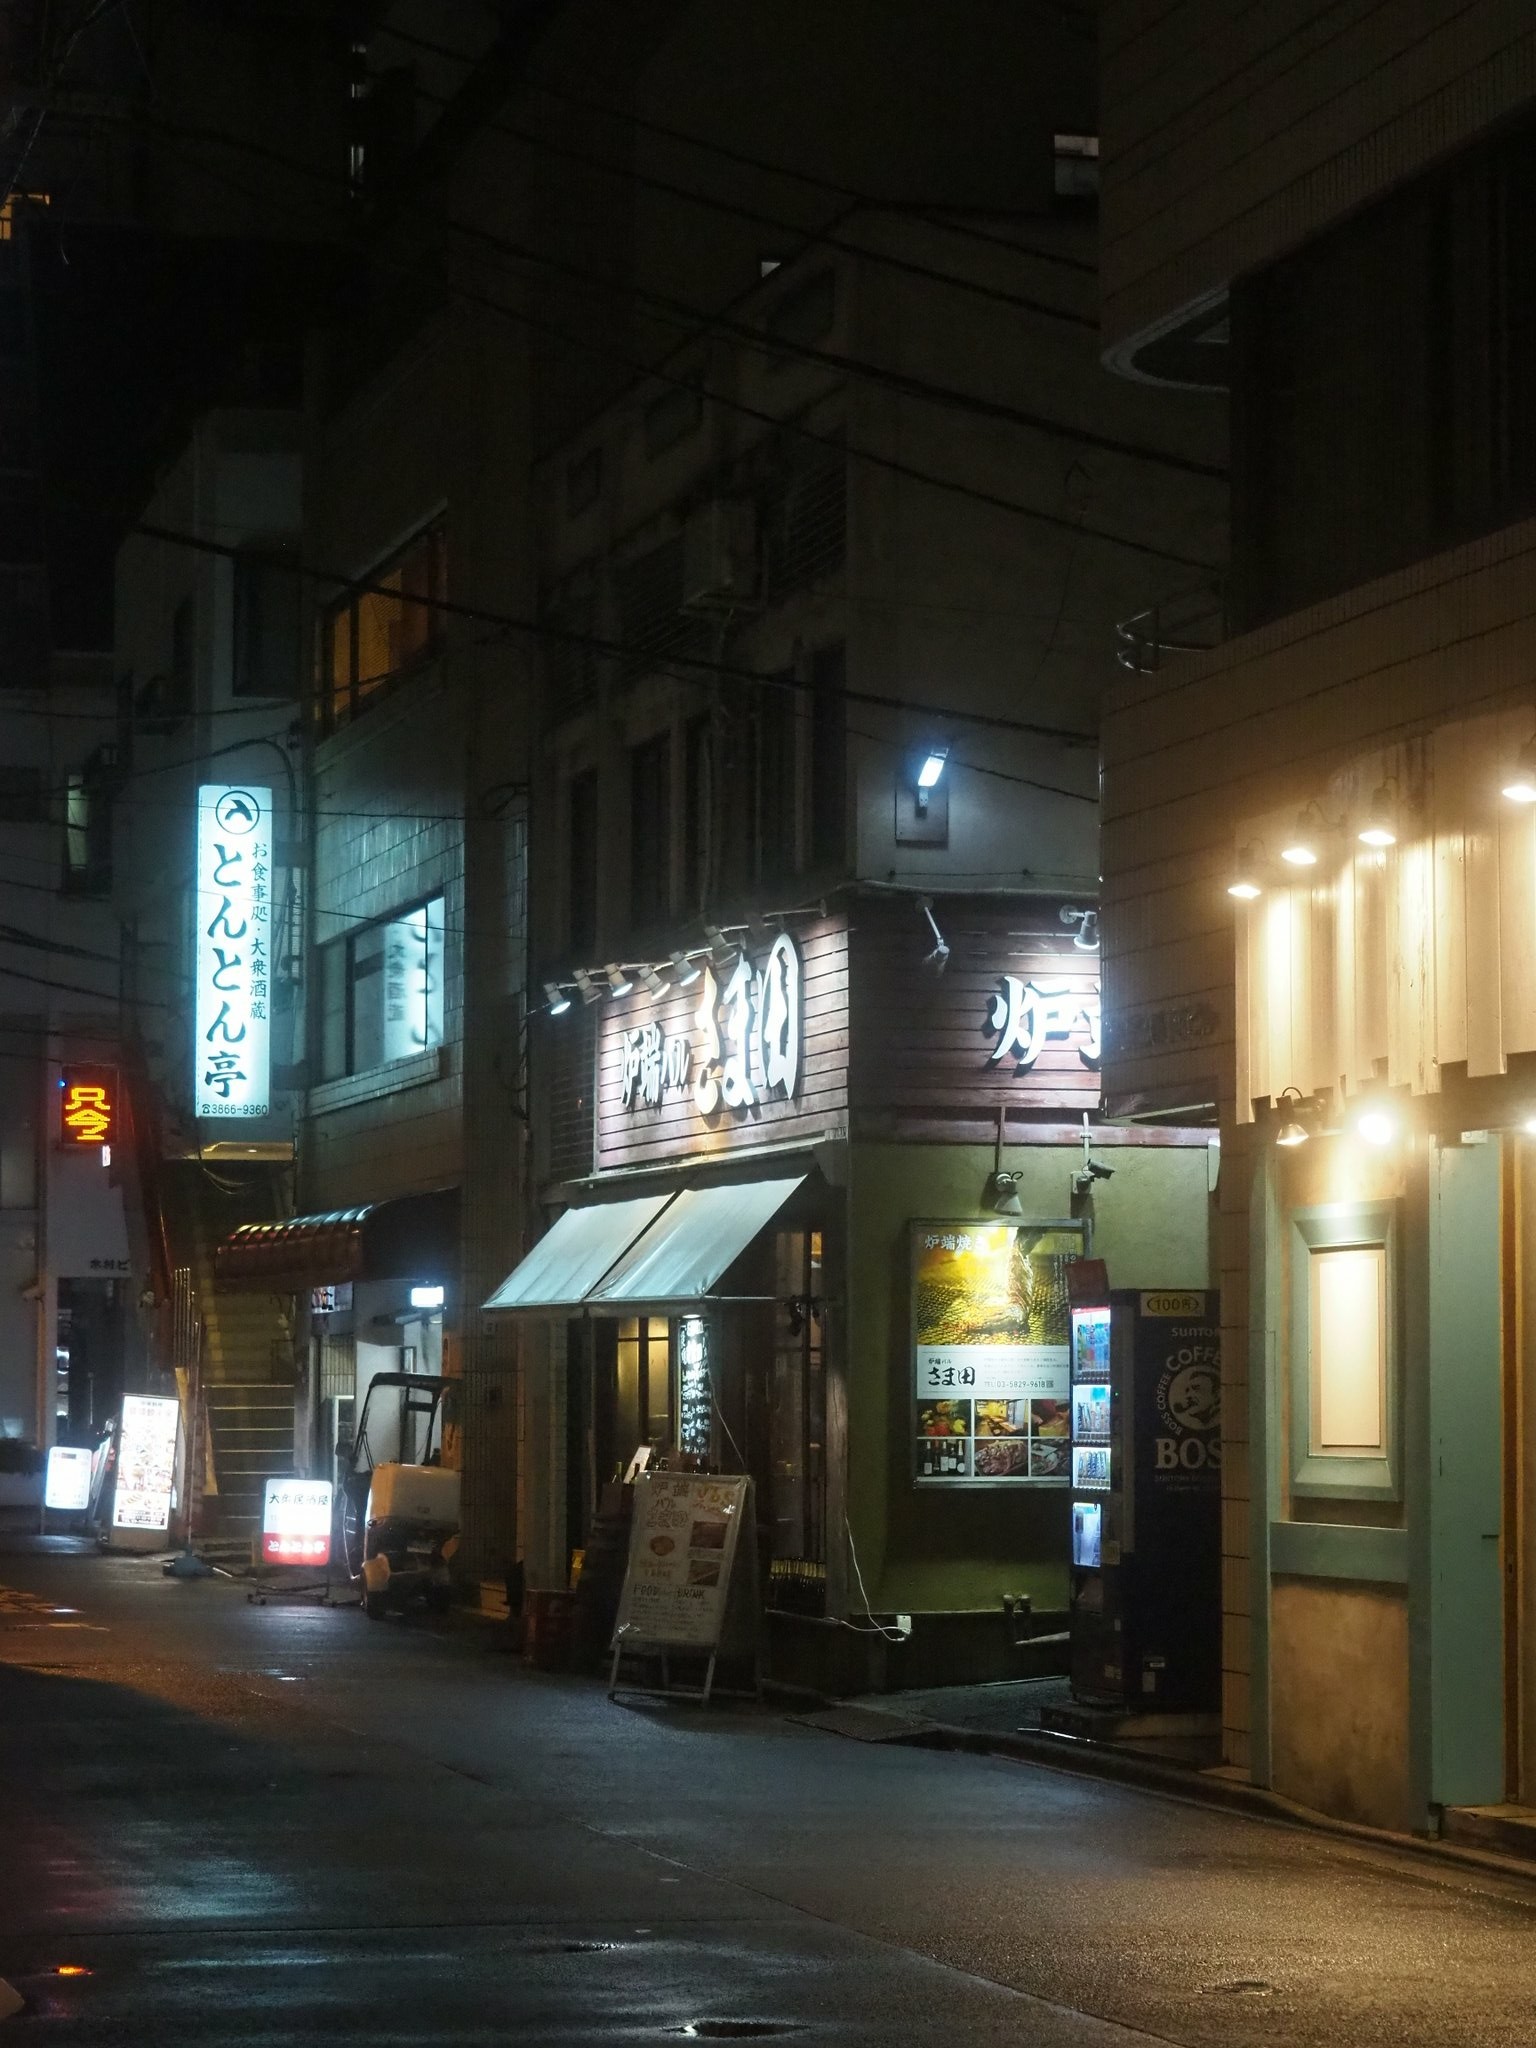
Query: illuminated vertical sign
pixel 233 1045
pixel 146 1463
pixel 87 1106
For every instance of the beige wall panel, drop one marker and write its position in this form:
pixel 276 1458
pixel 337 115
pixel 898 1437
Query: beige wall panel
pixel 1339 1682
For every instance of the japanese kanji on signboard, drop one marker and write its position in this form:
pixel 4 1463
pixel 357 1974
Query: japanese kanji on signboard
pixel 87 1106
pixel 232 1032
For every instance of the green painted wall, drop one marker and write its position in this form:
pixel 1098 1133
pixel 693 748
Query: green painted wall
pixel 924 1548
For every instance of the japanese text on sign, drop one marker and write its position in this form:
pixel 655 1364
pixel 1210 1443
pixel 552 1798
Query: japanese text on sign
pixel 1027 1016
pixel 87 1106
pixel 296 1521
pixel 232 1075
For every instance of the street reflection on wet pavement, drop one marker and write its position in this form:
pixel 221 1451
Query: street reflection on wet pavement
pixel 225 1822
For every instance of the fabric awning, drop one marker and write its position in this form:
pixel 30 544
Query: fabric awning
pixel 570 1260
pixel 414 1237
pixel 683 1254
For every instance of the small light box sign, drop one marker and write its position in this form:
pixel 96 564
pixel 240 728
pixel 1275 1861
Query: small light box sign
pixel 296 1522
pixel 87 1107
pixel 146 1463
pixel 67 1486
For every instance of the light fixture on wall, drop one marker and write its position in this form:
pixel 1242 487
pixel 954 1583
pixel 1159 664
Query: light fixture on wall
pixel 1245 884
pixel 558 1001
pixel 930 769
pixel 721 951
pixel 936 961
pixel 1377 1126
pixel 1001 1191
pixel 685 972
pixel 1520 788
pixel 1086 936
pixel 1292 1130
pixel 1379 828
pixel 655 987
pixel 1300 850
pixel 590 992
pixel 619 983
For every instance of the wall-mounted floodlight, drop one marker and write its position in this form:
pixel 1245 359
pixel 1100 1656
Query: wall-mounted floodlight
pixel 558 1001
pixel 928 775
pixel 1379 827
pixel 619 983
pixel 684 971
pixel 590 992
pixel 1292 1131
pixel 1377 1126
pixel 1520 788
pixel 1300 850
pixel 721 951
pixel 655 987
pixel 1245 884
pixel 426 1297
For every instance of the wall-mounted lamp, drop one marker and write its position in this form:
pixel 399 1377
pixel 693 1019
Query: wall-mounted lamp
pixel 1377 1126
pixel 685 972
pixel 1380 825
pixel 1292 1130
pixel 558 1001
pixel 936 961
pixel 1086 937
pixel 590 992
pixel 1245 884
pixel 1521 786
pixel 721 951
pixel 928 774
pixel 619 983
pixel 655 987
pixel 1300 850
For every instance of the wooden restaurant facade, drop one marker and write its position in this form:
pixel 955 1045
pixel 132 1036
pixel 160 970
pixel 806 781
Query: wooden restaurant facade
pixel 834 1162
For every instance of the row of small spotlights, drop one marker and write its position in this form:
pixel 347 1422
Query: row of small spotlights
pixel 1378 829
pixel 1376 1125
pixel 616 980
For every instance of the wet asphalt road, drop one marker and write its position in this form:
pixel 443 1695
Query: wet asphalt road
pixel 288 1825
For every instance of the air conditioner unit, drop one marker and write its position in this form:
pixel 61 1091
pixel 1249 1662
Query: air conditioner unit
pixel 720 555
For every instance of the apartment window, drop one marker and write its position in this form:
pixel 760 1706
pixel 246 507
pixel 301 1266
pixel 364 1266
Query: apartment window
pixel 381 992
pixel 265 651
pixel 374 638
pixel 829 760
pixel 1075 175
pixel 88 825
pixel 581 865
pixel 650 831
pixel 698 803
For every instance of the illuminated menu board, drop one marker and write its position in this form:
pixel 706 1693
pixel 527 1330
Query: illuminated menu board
pixel 146 1463
pixel 991 1379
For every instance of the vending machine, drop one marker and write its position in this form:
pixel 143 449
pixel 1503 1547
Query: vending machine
pixel 1146 1497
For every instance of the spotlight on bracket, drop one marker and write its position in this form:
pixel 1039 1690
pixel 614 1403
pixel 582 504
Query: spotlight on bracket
pixel 558 1001
pixel 590 992
pixel 619 983
pixel 936 961
pixel 685 972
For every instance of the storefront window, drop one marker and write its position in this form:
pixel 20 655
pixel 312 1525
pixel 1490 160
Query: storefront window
pixel 797 1404
pixel 381 992
pixel 644 1385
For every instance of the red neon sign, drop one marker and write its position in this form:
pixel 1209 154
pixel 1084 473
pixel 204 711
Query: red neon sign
pixel 88 1106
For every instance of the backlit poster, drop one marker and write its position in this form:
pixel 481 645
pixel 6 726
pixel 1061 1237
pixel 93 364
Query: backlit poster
pixel 990 1353
pixel 232 1034
pixel 146 1463
pixel 296 1521
pixel 67 1485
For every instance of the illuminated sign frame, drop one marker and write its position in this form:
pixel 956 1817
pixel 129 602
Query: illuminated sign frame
pixel 67 1480
pixel 296 1521
pixel 146 1462
pixel 87 1107
pixel 232 1074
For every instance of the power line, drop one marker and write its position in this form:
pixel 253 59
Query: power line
pixel 544 630
pixel 588 343
pixel 713 202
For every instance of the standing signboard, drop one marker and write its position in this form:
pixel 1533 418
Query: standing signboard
pixel 146 1463
pixel 67 1486
pixel 296 1522
pixel 691 1581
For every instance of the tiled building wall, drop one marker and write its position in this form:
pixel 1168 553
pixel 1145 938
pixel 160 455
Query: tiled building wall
pixel 371 860
pixel 1232 132
pixel 1260 722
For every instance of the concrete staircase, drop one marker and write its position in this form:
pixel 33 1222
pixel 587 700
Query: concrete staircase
pixel 247 1375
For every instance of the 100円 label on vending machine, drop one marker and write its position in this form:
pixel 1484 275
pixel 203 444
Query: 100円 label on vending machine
pixel 990 1354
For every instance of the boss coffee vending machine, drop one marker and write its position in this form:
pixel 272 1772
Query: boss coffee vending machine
pixel 1146 1497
